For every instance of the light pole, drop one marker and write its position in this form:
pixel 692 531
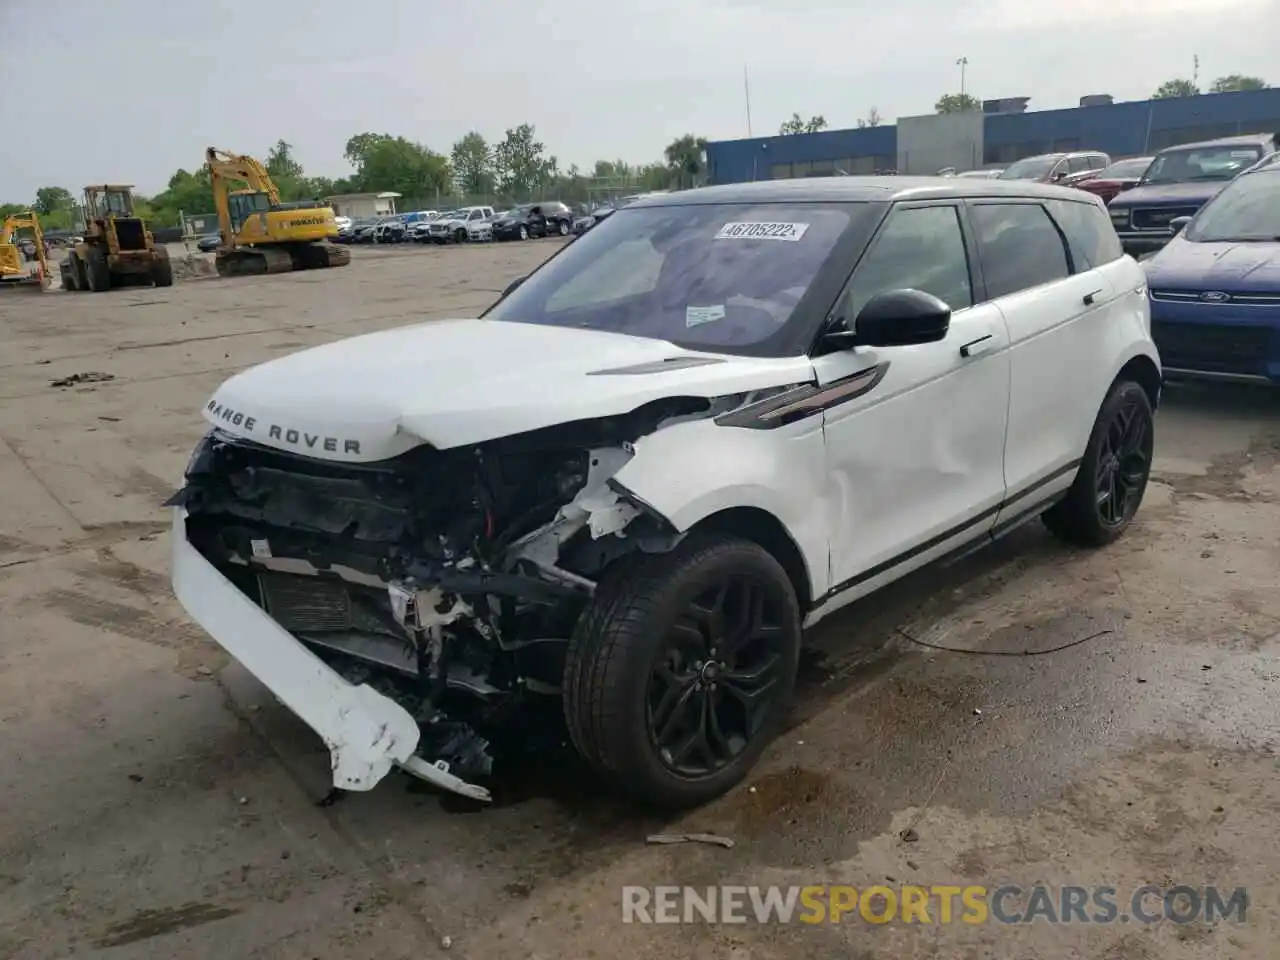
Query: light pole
pixel 962 63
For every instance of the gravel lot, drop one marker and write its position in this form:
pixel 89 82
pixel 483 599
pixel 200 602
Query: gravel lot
pixel 159 804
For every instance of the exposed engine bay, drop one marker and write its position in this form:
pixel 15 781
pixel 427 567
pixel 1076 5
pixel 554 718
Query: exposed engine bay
pixel 449 581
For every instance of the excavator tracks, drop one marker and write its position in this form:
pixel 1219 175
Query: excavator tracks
pixel 256 261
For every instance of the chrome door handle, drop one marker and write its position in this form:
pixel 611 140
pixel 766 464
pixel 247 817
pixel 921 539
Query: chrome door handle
pixel 975 347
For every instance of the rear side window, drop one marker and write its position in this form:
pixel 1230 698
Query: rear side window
pixel 1021 247
pixel 1090 236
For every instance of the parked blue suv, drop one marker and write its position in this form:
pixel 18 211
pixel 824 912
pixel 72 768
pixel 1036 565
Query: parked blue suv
pixel 1215 288
pixel 1178 183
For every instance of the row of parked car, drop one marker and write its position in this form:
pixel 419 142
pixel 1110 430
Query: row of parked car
pixel 1205 220
pixel 463 225
pixel 1145 195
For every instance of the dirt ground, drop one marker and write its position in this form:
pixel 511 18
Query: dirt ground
pixel 157 803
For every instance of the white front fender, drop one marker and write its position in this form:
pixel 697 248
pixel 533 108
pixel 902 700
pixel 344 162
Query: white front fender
pixel 689 471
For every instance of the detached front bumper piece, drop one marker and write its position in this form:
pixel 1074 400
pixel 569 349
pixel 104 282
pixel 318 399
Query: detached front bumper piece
pixel 367 733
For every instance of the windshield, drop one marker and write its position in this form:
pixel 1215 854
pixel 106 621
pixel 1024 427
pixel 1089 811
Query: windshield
pixel 1202 163
pixel 1247 210
pixel 1126 169
pixel 713 277
pixel 1032 168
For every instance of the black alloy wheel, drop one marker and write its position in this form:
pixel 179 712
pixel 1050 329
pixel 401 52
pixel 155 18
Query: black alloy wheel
pixel 1112 478
pixel 716 678
pixel 681 667
pixel 1124 463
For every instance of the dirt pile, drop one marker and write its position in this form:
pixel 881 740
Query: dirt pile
pixel 192 267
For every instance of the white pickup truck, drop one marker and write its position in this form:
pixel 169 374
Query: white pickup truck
pixel 459 226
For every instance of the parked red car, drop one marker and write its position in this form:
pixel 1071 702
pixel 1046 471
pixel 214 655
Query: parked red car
pixel 1117 178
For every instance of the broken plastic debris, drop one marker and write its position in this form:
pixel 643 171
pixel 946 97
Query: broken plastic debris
pixel 710 838
pixel 90 376
pixel 446 942
pixel 909 835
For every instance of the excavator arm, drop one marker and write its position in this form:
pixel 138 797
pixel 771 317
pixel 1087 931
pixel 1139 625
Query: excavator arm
pixel 225 167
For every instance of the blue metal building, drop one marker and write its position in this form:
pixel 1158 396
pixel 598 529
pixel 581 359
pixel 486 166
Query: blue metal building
pixel 1120 129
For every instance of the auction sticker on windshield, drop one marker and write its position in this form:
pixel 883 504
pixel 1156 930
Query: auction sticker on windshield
pixel 696 316
pixel 748 230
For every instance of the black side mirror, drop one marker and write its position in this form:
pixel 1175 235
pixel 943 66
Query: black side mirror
pixel 894 318
pixel 1177 224
pixel 511 286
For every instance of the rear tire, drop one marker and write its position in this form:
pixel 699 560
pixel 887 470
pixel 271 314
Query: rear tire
pixel 97 271
pixel 459 236
pixel 1112 478
pixel 564 229
pixel 68 271
pixel 524 232
pixel 680 671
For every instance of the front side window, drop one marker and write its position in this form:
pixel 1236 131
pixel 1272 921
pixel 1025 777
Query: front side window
pixel 707 276
pixel 1089 233
pixel 919 248
pixel 1078 165
pixel 1201 163
pixel 1021 247
pixel 1248 210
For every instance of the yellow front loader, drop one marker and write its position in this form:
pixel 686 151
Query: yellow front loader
pixel 15 265
pixel 260 234
pixel 117 250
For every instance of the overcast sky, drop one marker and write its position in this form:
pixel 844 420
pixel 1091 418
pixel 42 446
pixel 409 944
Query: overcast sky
pixel 597 78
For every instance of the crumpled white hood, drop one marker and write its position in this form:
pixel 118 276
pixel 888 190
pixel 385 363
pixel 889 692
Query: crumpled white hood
pixel 455 382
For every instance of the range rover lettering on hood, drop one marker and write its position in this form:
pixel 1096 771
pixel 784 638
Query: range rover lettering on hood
pixel 299 439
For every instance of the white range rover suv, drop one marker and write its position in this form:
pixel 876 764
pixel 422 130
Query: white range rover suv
pixel 635 481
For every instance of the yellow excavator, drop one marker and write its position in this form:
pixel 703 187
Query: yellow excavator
pixel 260 234
pixel 14 269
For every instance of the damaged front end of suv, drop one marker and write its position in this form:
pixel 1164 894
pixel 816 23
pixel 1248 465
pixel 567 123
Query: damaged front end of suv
pixel 406 606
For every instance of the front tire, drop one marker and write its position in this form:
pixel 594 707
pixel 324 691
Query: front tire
pixel 1113 475
pixel 524 232
pixel 563 229
pixel 97 272
pixel 680 672
pixel 162 270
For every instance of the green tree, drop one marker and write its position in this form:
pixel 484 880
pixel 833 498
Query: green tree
pixel 473 164
pixel 358 147
pixel 1234 82
pixel 518 162
pixel 957 103
pixel 797 124
pixel 408 168
pixel 187 193
pixel 872 119
pixel 655 176
pixel 1175 88
pixel 281 164
pixel 686 158
pixel 49 200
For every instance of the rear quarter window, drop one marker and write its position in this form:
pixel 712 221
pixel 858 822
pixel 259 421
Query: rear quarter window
pixel 1090 236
